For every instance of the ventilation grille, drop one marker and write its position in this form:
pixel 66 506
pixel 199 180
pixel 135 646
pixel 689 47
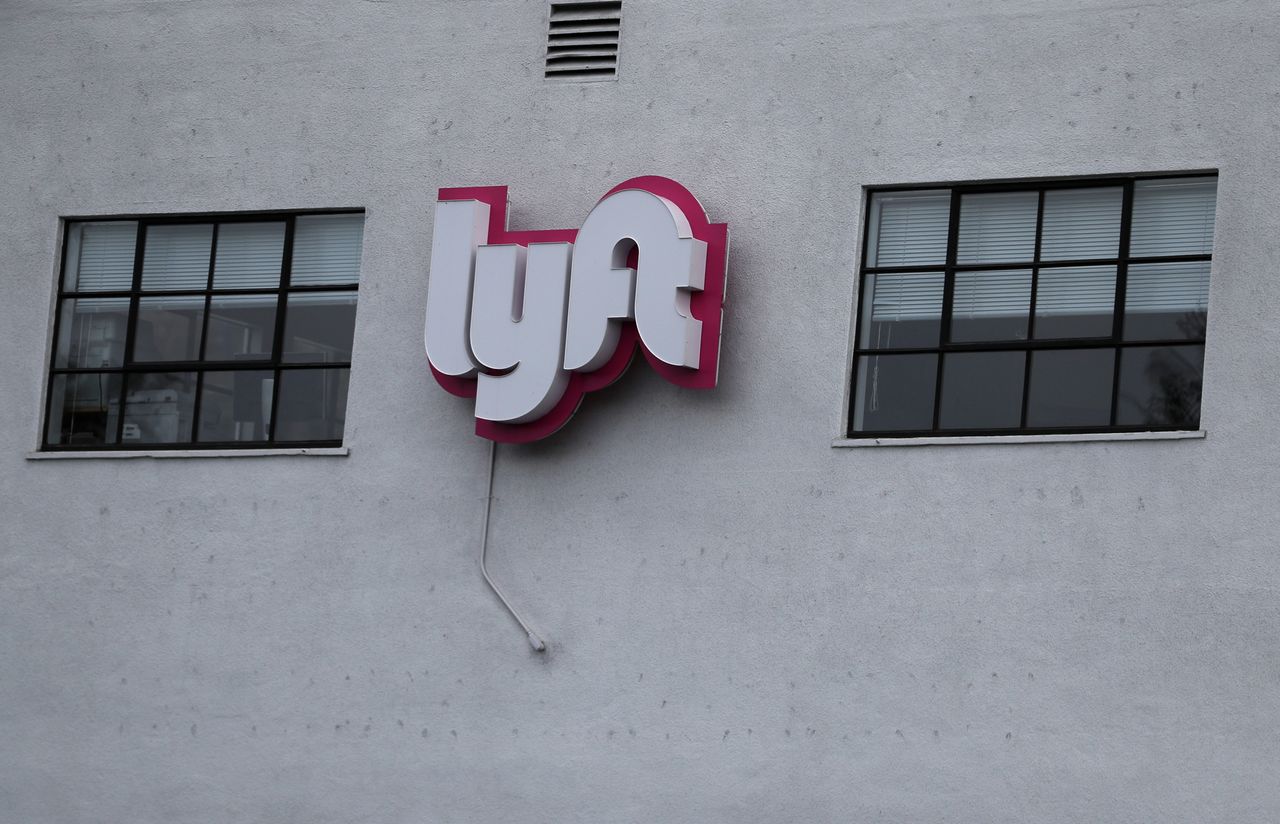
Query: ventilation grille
pixel 582 40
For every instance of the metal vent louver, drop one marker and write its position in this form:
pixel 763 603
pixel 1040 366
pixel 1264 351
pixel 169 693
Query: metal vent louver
pixel 582 40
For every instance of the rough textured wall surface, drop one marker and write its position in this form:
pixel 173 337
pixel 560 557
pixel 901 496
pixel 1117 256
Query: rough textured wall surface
pixel 746 624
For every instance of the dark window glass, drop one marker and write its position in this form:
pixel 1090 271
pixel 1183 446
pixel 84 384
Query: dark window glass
pixel 1070 387
pixel 982 390
pixel 241 327
pixel 236 406
pixel 318 327
pixel 158 407
pixel 1160 386
pixel 169 329
pixel 91 333
pixel 313 404
pixel 895 392
pixel 83 409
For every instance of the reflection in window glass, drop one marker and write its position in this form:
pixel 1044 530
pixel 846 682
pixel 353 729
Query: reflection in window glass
pixel 235 406
pixel 83 409
pixel 1160 386
pixel 313 404
pixel 982 390
pixel 1070 387
pixel 158 407
pixel 318 327
pixel 902 311
pixel 168 329
pixel 991 305
pixel 1167 301
pixel 895 392
pixel 241 327
pixel 91 333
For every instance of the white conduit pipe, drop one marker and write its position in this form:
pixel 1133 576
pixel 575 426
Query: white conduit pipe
pixel 534 640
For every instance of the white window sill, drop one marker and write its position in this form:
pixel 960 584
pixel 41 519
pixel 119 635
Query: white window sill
pixel 328 451
pixel 972 440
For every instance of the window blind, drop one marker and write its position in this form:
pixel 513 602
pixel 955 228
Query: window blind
pixel 998 227
pixel 1173 217
pixel 100 256
pixel 1076 290
pixel 1081 223
pixel 909 229
pixel 248 255
pixel 992 294
pixel 907 297
pixel 1168 287
pixel 326 250
pixel 177 257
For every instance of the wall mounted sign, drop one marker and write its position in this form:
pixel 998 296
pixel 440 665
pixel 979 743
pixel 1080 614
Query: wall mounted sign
pixel 529 322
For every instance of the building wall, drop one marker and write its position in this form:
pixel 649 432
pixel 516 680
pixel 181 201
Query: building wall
pixel 745 623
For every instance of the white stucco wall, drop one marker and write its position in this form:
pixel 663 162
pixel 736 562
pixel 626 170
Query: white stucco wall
pixel 745 623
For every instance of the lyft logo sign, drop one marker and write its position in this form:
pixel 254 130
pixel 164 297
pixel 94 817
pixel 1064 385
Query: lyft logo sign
pixel 529 322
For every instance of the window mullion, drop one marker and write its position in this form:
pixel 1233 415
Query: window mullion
pixel 1031 312
pixel 131 329
pixel 1122 278
pixel 277 345
pixel 948 288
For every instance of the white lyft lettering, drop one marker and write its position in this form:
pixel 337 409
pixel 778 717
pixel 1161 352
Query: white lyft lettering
pixel 520 318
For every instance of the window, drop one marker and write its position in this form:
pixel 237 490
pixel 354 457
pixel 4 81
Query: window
pixel 227 331
pixel 1051 307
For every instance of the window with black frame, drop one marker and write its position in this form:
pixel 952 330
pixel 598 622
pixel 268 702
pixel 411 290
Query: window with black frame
pixel 224 331
pixel 1039 307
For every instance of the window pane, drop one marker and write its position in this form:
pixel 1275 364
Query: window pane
pixel 1081 223
pixel 1075 302
pixel 83 409
pixel 248 255
pixel 998 227
pixel 177 257
pixel 901 310
pixel 235 406
pixel 168 329
pixel 1071 387
pixel 91 332
pixel 991 305
pixel 1166 300
pixel 319 326
pixel 241 327
pixel 1173 217
pixel 1160 386
pixel 982 390
pixel 158 406
pixel 895 393
pixel 326 250
pixel 100 256
pixel 908 228
pixel 313 404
